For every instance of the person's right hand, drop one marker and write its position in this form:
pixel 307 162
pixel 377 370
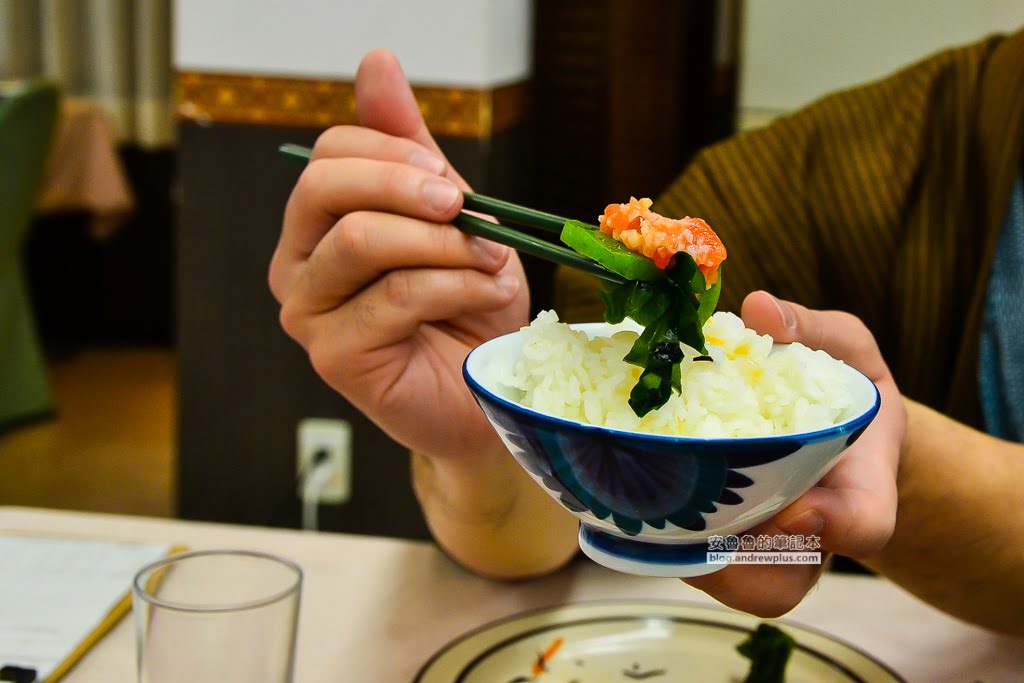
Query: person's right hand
pixel 386 297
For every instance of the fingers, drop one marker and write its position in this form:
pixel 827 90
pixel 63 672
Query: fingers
pixel 853 512
pixel 385 102
pixel 840 334
pixel 330 188
pixel 390 310
pixel 389 164
pixel 767 591
pixel 853 509
pixel 363 246
pixel 357 141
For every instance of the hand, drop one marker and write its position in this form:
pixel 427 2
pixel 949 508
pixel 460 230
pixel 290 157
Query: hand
pixel 386 297
pixel 853 508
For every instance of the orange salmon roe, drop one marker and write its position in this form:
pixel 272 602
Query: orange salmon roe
pixel 660 238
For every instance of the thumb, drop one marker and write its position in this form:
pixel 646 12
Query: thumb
pixel 385 102
pixel 838 333
pixel 384 99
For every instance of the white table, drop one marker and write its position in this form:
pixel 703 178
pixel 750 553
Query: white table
pixel 374 609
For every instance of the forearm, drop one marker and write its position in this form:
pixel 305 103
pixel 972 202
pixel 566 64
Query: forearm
pixel 491 517
pixel 959 538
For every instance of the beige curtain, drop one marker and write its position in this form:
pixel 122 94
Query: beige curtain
pixel 114 52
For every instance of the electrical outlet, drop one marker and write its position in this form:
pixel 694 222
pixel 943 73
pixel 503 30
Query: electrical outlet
pixel 335 438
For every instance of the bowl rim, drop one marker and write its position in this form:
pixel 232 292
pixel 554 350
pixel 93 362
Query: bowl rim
pixel 851 425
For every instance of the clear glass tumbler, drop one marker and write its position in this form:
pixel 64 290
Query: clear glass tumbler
pixel 217 615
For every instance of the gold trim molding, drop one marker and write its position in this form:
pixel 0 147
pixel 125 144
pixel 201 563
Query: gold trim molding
pixel 277 101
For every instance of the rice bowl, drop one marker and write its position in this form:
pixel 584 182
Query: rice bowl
pixel 648 503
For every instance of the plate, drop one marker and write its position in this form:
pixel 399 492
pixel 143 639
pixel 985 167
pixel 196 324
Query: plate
pixel 625 642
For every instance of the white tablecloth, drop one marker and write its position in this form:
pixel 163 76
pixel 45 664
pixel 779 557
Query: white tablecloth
pixel 374 610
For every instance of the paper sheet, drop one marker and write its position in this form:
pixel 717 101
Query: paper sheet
pixel 55 592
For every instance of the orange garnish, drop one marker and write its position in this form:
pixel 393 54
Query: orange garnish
pixel 660 238
pixel 540 666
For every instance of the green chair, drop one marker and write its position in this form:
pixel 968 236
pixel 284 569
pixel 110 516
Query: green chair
pixel 28 114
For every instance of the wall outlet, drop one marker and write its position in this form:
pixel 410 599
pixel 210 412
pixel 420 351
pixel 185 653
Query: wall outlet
pixel 334 437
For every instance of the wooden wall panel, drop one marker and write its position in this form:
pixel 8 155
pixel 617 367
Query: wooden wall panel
pixel 625 91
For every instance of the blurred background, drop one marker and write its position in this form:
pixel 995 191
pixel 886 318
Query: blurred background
pixel 142 368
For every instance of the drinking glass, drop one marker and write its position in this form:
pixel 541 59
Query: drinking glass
pixel 217 615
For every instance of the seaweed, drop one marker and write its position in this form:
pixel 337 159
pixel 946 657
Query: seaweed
pixel 672 310
pixel 768 649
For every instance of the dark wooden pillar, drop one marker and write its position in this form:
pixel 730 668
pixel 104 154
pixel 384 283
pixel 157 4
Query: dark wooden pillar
pixel 625 91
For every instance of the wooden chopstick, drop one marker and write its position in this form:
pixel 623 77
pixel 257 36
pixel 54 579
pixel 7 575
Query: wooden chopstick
pixel 496 232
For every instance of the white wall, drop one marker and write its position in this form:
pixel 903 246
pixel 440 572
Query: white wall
pixel 797 50
pixel 470 43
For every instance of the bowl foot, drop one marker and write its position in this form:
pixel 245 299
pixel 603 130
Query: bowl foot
pixel 677 560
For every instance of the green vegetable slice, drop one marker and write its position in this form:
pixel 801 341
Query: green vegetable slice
pixel 709 299
pixel 609 252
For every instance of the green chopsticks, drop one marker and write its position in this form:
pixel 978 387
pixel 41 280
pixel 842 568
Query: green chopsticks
pixel 501 233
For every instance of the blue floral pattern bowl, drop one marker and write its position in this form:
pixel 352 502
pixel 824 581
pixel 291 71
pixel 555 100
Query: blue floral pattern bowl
pixel 648 504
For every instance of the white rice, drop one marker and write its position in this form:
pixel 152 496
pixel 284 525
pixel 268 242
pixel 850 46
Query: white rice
pixel 747 391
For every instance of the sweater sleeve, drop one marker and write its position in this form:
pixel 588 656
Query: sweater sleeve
pixel 811 206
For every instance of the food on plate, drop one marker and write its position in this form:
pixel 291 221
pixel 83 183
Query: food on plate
pixel 672 269
pixel 768 649
pixel 738 386
pixel 541 664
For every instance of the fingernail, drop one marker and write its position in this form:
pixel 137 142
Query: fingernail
pixel 809 523
pixel 508 284
pixel 440 195
pixel 427 161
pixel 491 251
pixel 787 312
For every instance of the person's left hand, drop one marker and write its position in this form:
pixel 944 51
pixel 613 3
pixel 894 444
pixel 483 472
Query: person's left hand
pixel 853 508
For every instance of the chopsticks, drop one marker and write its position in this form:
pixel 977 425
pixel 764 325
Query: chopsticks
pixel 528 244
pixel 504 234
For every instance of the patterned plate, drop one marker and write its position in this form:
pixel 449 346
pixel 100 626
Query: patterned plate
pixel 624 642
